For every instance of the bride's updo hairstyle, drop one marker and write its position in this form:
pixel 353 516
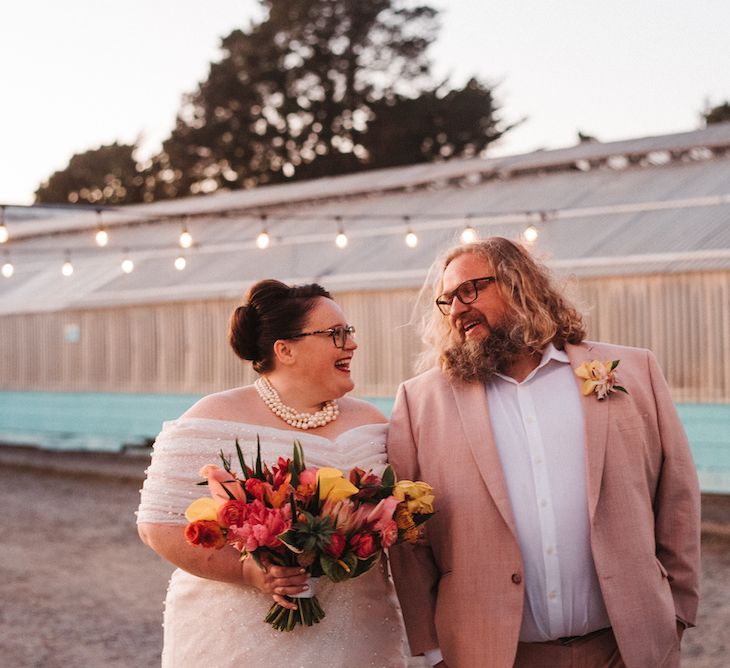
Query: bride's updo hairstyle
pixel 271 310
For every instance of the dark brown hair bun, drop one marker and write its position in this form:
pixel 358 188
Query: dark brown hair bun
pixel 271 310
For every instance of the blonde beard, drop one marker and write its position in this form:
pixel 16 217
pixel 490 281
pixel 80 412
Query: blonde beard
pixel 471 361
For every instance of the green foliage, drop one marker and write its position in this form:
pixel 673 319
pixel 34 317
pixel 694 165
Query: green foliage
pixel 320 87
pixel 107 175
pixel 717 114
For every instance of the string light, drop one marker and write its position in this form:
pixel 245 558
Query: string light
pixel 7 269
pixel 186 239
pixel 127 263
pixel 67 268
pixel 101 237
pixel 411 236
pixel 341 239
pixel 263 240
pixel 469 235
pixel 530 234
pixel 180 262
pixel 4 235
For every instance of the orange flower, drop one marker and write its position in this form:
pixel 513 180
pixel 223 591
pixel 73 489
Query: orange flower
pixel 205 533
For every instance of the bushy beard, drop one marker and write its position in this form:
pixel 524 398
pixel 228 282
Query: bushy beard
pixel 479 360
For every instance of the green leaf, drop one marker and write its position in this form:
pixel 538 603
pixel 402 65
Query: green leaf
pixel 388 477
pixel 258 471
pixel 241 460
pixel 614 364
pixel 339 570
pixel 620 389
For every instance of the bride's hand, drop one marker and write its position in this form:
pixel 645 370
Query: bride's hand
pixel 279 581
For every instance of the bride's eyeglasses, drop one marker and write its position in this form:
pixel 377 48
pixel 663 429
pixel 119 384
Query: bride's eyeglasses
pixel 339 334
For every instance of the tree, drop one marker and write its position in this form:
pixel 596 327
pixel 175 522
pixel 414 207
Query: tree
pixel 320 87
pixel 107 175
pixel 716 114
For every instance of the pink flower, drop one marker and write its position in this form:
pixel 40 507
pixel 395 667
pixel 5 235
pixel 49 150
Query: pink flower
pixel 388 533
pixel 383 512
pixel 220 480
pixel 261 527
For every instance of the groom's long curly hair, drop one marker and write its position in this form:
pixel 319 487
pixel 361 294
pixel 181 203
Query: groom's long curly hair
pixel 537 311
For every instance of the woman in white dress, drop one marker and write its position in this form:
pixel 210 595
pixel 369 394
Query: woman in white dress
pixel 300 344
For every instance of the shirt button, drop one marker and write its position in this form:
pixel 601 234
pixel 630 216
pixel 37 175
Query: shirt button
pixel 543 503
pixel 516 578
pixel 552 595
pixel 550 549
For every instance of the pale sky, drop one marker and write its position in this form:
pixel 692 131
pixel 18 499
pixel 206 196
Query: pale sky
pixel 81 73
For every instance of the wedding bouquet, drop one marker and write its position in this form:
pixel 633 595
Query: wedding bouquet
pixel 313 518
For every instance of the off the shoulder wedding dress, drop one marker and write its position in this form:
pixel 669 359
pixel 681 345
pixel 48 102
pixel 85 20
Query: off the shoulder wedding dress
pixel 210 623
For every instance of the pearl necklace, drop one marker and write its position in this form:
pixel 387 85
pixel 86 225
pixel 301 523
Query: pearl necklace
pixel 271 398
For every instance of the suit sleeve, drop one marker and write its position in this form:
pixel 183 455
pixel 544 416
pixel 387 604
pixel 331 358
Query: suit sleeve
pixel 415 573
pixel 676 504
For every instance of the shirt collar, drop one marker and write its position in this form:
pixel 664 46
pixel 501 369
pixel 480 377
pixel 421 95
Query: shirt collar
pixel 549 352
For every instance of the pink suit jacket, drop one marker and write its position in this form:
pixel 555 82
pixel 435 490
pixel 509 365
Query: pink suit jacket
pixel 462 590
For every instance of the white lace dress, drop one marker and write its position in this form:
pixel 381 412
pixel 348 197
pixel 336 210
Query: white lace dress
pixel 214 624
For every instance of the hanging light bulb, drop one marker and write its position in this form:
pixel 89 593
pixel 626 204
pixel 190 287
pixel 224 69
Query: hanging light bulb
pixel 127 263
pixel 530 234
pixel 263 239
pixel 7 269
pixel 469 235
pixel 67 268
pixel 185 239
pixel 101 236
pixel 411 236
pixel 4 235
pixel 341 239
pixel 180 262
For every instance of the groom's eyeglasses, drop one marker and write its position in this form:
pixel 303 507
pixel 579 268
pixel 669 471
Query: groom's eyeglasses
pixel 339 334
pixel 467 292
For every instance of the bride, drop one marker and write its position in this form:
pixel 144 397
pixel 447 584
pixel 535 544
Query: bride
pixel 299 343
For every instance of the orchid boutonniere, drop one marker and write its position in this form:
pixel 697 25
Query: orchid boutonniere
pixel 600 377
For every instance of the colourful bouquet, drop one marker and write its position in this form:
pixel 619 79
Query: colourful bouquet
pixel 291 515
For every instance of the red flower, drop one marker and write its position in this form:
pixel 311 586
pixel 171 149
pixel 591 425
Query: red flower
pixel 255 488
pixel 336 545
pixel 368 483
pixel 363 545
pixel 205 533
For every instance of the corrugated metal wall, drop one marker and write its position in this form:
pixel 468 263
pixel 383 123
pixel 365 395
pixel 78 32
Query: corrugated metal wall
pixel 182 347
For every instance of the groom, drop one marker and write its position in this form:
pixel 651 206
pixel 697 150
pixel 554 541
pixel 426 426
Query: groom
pixel 567 523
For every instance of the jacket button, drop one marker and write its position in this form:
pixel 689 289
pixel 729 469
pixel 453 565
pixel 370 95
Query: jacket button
pixel 516 578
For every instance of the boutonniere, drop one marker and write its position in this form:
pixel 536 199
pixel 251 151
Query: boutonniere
pixel 600 377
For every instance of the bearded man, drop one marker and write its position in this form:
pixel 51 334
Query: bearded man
pixel 567 523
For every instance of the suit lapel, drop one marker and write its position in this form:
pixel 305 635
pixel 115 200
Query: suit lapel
pixel 471 403
pixel 595 416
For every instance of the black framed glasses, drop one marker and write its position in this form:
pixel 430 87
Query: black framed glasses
pixel 466 293
pixel 340 334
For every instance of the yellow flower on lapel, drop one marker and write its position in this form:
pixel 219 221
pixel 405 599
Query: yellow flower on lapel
pixel 600 377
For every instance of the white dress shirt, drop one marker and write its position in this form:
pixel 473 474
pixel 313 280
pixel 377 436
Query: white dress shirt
pixel 538 428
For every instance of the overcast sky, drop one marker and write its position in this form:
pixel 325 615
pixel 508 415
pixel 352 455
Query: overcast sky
pixel 80 73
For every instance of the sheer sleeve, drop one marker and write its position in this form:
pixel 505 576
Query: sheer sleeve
pixel 181 449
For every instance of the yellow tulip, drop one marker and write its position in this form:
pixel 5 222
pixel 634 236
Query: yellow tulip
pixel 202 509
pixel 333 486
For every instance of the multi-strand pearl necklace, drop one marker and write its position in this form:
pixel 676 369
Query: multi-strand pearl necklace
pixel 271 398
